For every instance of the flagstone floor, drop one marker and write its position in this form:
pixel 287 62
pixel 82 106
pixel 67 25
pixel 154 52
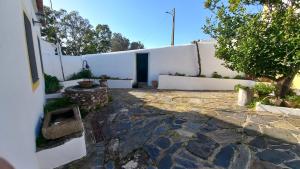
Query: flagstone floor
pixel 149 129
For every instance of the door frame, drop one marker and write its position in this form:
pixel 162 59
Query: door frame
pixel 136 68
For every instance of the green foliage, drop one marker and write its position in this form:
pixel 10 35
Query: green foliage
pixel 51 84
pixel 136 45
pixel 262 43
pixel 78 37
pixel 216 75
pixel 119 42
pixel 57 104
pixel 294 99
pixel 262 89
pixel 179 74
pixel 239 77
pixel 83 74
pixel 226 77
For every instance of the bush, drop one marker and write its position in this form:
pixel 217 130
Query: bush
pixel 262 89
pixel 57 104
pixel 239 77
pixel 179 74
pixel 216 75
pixel 83 74
pixel 51 84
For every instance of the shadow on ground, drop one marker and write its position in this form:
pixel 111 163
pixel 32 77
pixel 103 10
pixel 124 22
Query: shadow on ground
pixel 179 129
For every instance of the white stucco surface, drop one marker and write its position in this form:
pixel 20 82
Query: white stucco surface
pixel 198 83
pixel 52 65
pixel 21 106
pixel 54 157
pixel 120 84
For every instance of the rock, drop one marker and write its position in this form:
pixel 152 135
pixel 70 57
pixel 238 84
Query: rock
pixel 223 158
pixel 165 162
pixel 186 163
pixel 226 136
pixel 281 134
pixel 152 151
pixel 257 164
pixel 259 142
pixel 203 147
pixel 179 121
pixel 293 164
pixel 252 129
pixel 163 142
pixel 242 158
pixel 110 165
pixel 130 165
pixel 185 133
pixel 275 156
pixel 173 148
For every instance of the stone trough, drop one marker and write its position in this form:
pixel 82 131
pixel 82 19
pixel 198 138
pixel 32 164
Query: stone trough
pixel 62 122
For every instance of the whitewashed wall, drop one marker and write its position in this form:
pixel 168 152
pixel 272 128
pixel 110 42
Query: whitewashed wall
pixel 181 59
pixel 51 62
pixel 21 106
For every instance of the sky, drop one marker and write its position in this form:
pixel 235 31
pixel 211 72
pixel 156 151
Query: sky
pixel 144 20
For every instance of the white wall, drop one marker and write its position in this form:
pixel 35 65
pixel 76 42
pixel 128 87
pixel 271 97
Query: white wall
pixel 20 105
pixel 200 83
pixel 51 62
pixel 116 64
pixel 209 63
pixel 182 59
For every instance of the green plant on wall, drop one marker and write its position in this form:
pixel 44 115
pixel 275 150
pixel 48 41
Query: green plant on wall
pixel 51 84
pixel 83 74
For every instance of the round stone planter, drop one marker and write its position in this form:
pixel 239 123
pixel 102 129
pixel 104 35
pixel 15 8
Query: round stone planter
pixel 88 99
pixel 245 96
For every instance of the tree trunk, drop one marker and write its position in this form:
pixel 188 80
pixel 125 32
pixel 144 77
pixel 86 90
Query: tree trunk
pixel 199 58
pixel 283 85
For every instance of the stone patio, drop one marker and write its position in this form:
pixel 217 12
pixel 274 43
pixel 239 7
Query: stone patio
pixel 149 129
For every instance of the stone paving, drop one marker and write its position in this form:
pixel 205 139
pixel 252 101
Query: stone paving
pixel 148 129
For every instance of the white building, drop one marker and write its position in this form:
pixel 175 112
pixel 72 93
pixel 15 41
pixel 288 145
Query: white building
pixel 22 83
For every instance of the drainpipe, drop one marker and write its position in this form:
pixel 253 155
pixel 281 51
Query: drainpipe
pixel 199 58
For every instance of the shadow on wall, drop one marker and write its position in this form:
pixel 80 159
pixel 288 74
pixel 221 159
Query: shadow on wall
pixel 192 127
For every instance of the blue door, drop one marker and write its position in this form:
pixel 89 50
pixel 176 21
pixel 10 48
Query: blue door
pixel 142 67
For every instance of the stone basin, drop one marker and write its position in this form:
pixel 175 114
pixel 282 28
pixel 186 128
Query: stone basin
pixel 62 122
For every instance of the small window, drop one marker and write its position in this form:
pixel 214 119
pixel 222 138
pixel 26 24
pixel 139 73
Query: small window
pixel 30 49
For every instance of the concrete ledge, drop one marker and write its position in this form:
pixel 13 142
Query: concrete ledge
pixel 276 109
pixel 53 96
pixel 199 83
pixel 113 84
pixel 54 157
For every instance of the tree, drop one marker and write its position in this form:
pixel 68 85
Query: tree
pixel 103 38
pixel 261 44
pixel 136 45
pixel 119 43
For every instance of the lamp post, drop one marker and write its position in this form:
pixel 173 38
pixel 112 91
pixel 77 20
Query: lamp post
pixel 173 13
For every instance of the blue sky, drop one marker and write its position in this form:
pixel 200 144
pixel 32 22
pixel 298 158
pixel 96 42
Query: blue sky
pixel 143 20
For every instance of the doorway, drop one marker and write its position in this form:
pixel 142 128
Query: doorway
pixel 142 67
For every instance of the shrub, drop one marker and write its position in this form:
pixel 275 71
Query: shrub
pixel 179 74
pixel 51 84
pixel 226 77
pixel 83 74
pixel 262 89
pixel 294 99
pixel 57 104
pixel 239 77
pixel 216 75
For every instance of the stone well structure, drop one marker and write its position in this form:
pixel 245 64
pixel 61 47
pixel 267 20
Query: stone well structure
pixel 88 99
